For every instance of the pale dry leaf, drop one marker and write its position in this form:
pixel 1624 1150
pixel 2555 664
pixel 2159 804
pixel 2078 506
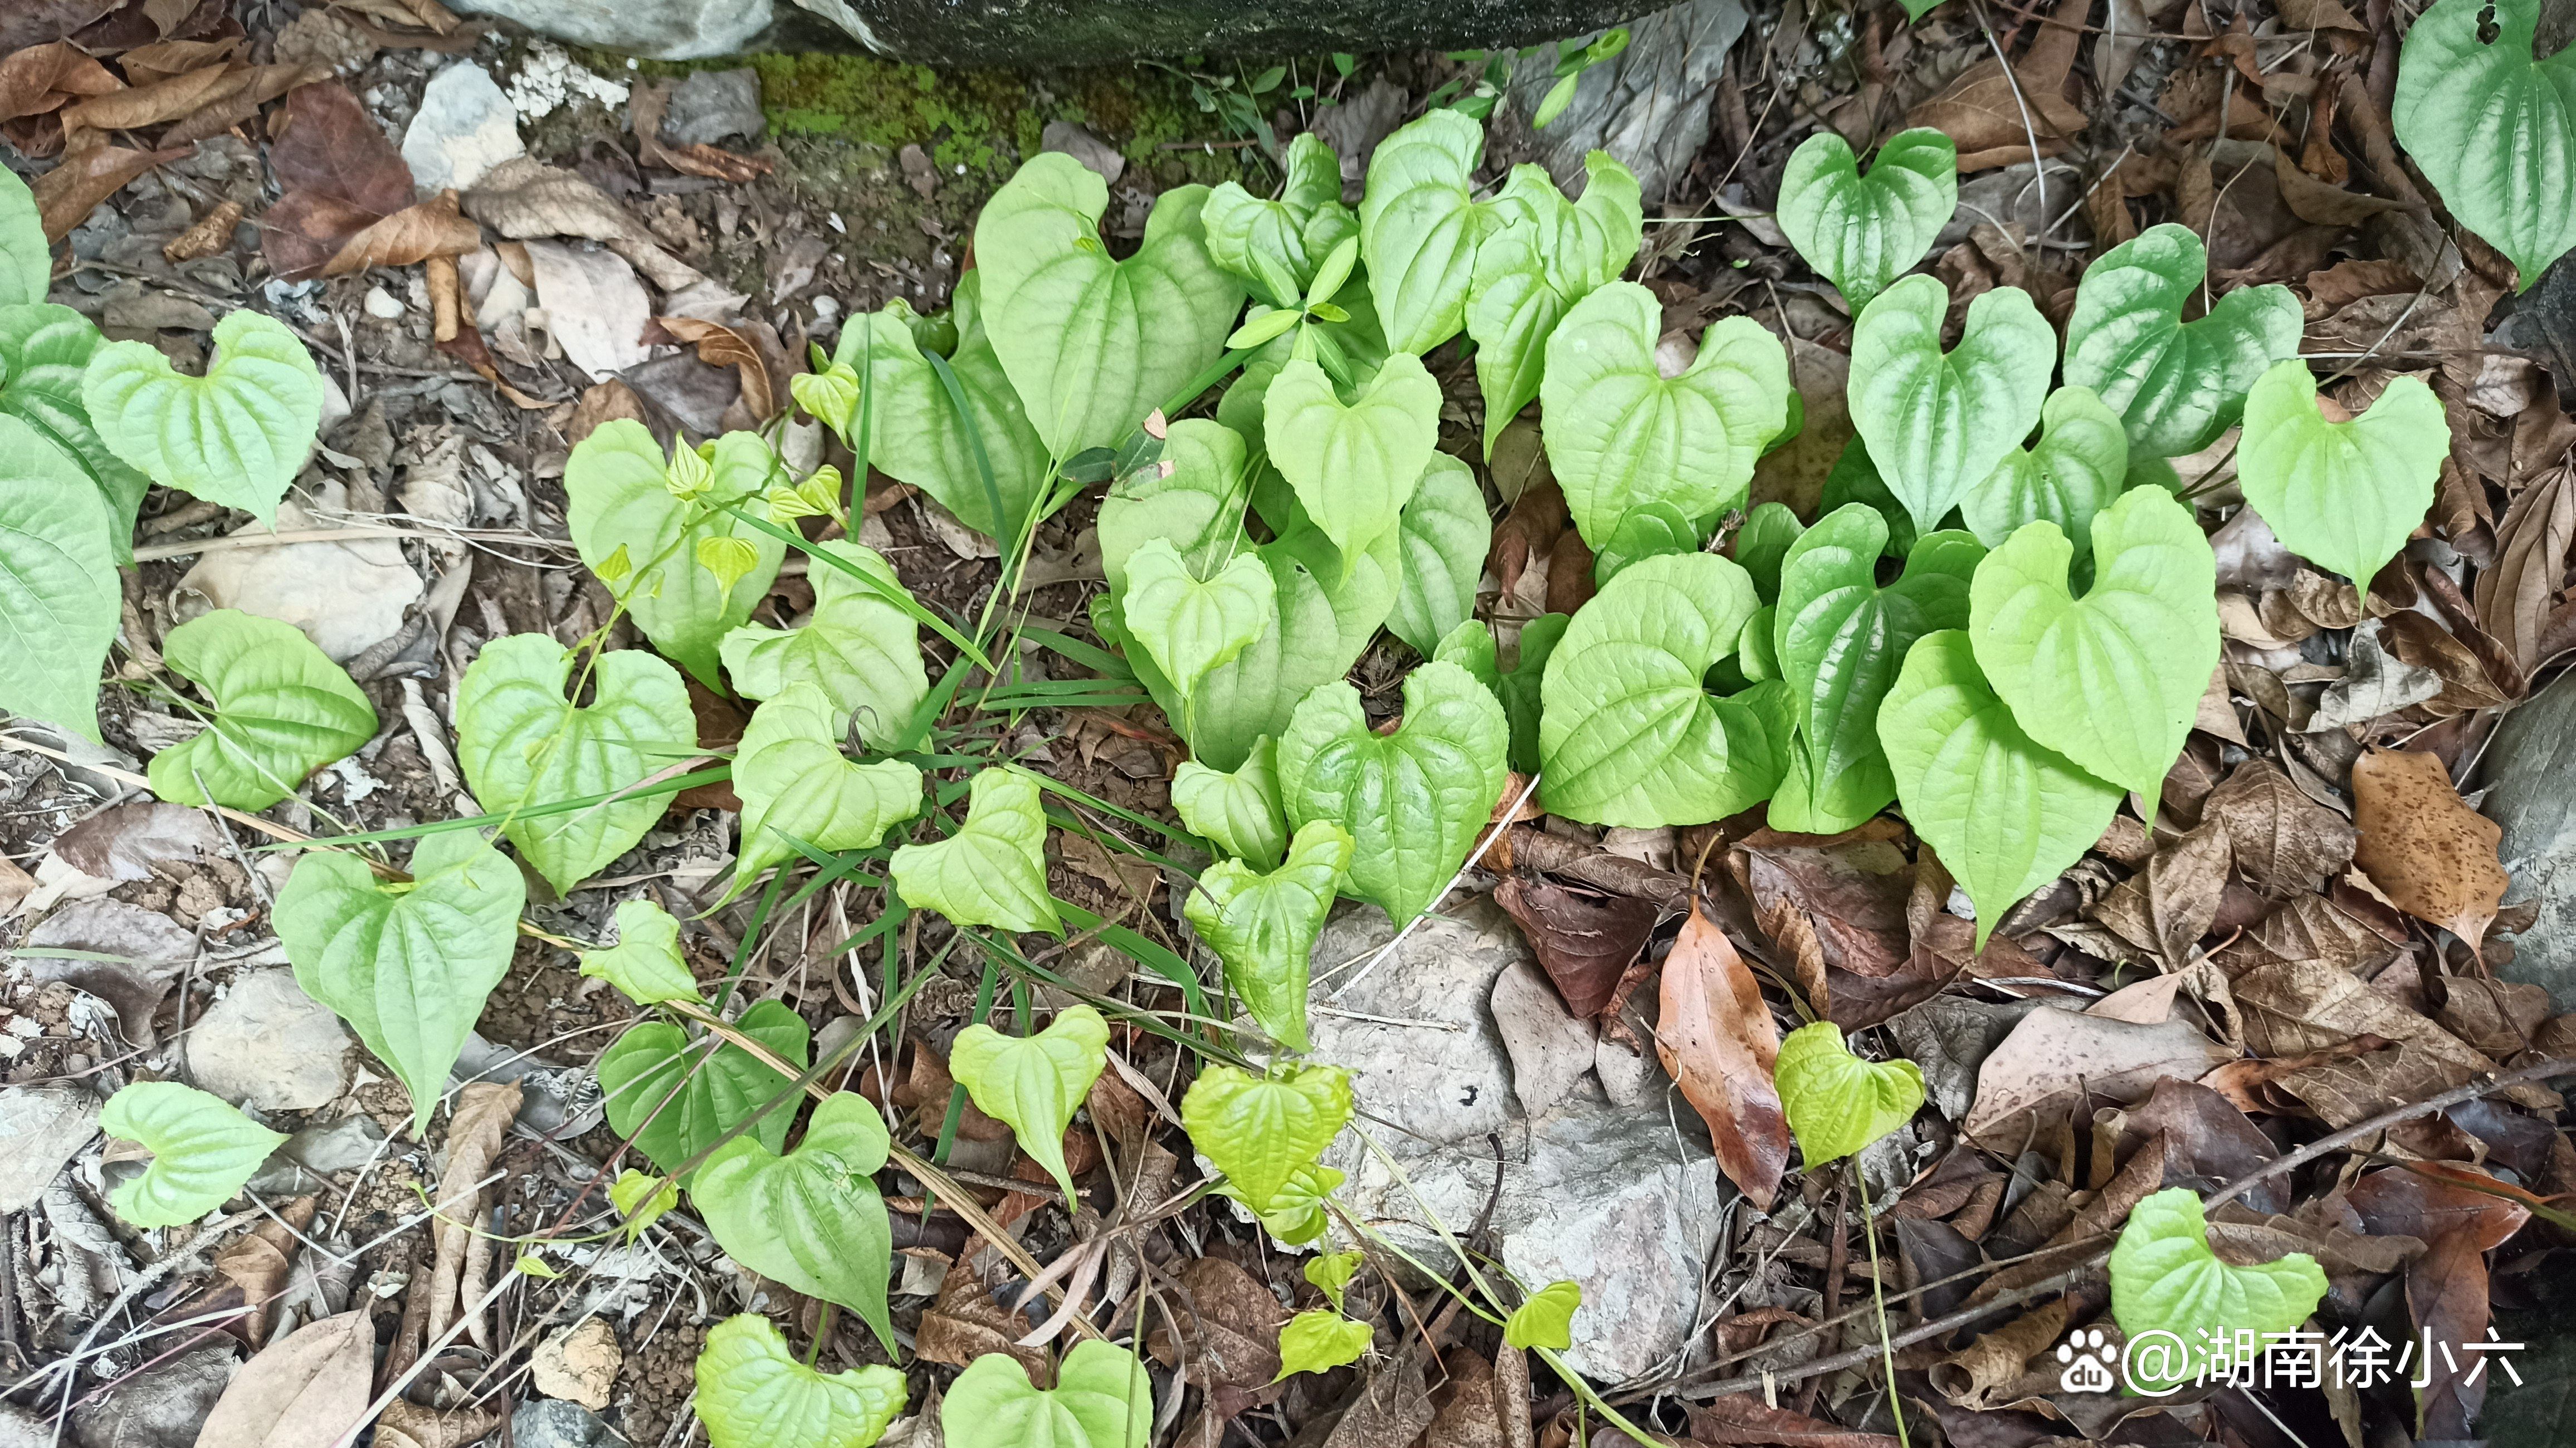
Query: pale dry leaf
pixel 579 1363
pixel 2167 907
pixel 2423 847
pixel 309 1387
pixel 484 1110
pixel 2054 1054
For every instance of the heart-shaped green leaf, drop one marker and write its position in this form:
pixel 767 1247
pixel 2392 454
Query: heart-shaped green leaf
pixel 1102 1398
pixel 26 258
pixel 641 1199
pixel 1197 506
pixel 1936 422
pixel 753 1393
pixel 797 786
pixel 1863 232
pixel 1261 1131
pixel 2112 680
pixel 2342 495
pixel 1471 646
pixel 2164 1278
pixel 1262 926
pixel 236 436
pixel 811 1218
pixel 2079 466
pixel 1546 1320
pixel 1839 639
pixel 202 1151
pixel 1763 542
pixel 642 538
pixel 1034 1083
pixel 2176 384
pixel 522 742
pixel 643 1069
pixel 1353 465
pixel 44 353
pixel 1420 226
pixel 282 711
pixel 1550 254
pixel 1238 811
pixel 2493 125
pixel 1628 734
pixel 1320 1341
pixel 1189 627
pixel 1072 326
pixel 1276 247
pixel 645 964
pixel 993 870
pixel 407 964
pixel 862 649
pixel 1414 799
pixel 1621 435
pixel 2004 814
pixel 1836 1102
pixel 1445 533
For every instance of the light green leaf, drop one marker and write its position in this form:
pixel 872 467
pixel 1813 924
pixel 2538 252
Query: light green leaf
pixel 642 1199
pixel 1620 435
pixel 2164 1278
pixel 1415 799
pixel 202 1151
pixel 863 651
pixel 44 353
pixel 1092 344
pixel 2176 384
pixel 1102 1399
pixel 645 965
pixel 1296 1213
pixel 618 482
pixel 1471 647
pixel 1262 926
pixel 282 711
pixel 796 785
pixel 1836 1102
pixel 1237 810
pixel 1550 254
pixel 1353 465
pixel 1863 232
pixel 2493 125
pixel 236 436
pixel 753 1393
pixel 1764 541
pixel 1649 530
pixel 1197 506
pixel 1362 350
pixel 1331 1273
pixel 2112 680
pixel 1320 1341
pixel 1936 423
pixel 522 742
pixel 407 964
pixel 1034 1083
pixel 1420 226
pixel 1276 247
pixel 1262 1131
pixel 993 870
pixel 645 1065
pixel 532 1265
pixel 1546 1319
pixel 1445 534
pixel 2004 814
pixel 811 1218
pixel 2080 465
pixel 1628 735
pixel 26 258
pixel 1189 627
pixel 2342 495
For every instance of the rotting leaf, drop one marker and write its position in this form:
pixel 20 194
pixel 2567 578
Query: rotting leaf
pixel 1585 941
pixel 1717 1039
pixel 2429 853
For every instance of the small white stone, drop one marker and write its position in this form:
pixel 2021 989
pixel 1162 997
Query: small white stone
pixel 383 304
pixel 464 128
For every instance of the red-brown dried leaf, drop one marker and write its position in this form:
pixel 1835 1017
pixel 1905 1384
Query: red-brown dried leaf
pixel 45 78
pixel 1717 1040
pixel 2446 1288
pixel 413 234
pixel 1584 941
pixel 332 147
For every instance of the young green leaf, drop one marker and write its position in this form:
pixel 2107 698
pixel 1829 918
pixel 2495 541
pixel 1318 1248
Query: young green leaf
pixel 642 1199
pixel 1520 686
pixel 2164 1278
pixel 862 650
pixel 621 488
pixel 1836 1102
pixel 796 785
pixel 202 1151
pixel 1471 647
pixel 753 1393
pixel 236 436
pixel 1628 735
pixel 59 594
pixel 811 1218
pixel 1546 1319
pixel 1415 799
pixel 1320 1341
pixel 1445 534
pixel 2493 124
pixel 1764 541
pixel 1295 1214
pixel 1237 811
pixel 1092 345
pixel 645 965
pixel 1261 1131
pixel 1197 506
pixel 1188 626
pixel 2176 384
pixel 1331 1272
pixel 282 711
pixel 44 353
pixel 2112 680
pixel 2080 465
pixel 1863 232
pixel 522 742
pixel 1550 254
pixel 993 870
pixel 1102 1399
pixel 1276 247
pixel 1621 435
pixel 1034 1083
pixel 1262 926
pixel 1353 465
pixel 26 258
pixel 406 964
pixel 2004 814
pixel 1936 423
pixel 642 1069
pixel 1420 227
pixel 2342 495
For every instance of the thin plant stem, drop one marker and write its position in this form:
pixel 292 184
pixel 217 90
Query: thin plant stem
pixel 1878 1299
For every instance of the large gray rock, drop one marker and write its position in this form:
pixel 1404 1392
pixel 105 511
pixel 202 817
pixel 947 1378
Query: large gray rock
pixel 2530 783
pixel 41 1129
pixel 1648 105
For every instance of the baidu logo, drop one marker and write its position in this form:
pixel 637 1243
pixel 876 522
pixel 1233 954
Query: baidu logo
pixel 2088 1355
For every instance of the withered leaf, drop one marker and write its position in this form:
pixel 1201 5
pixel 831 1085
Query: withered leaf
pixel 1582 939
pixel 88 175
pixel 1717 1040
pixel 2166 908
pixel 2514 597
pixel 2284 843
pixel 2421 844
pixel 307 1387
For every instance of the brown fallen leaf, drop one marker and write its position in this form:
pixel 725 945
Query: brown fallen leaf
pixel 722 346
pixel 416 233
pixel 2446 1288
pixel 87 176
pixel 2284 843
pixel 524 198
pixel 265 83
pixel 1469 1414
pixel 1717 1040
pixel 2053 1054
pixel 1228 1328
pixel 1983 110
pixel 2166 908
pixel 309 1387
pixel 2422 846
pixel 2515 597
pixel 474 1135
pixel 137 107
pixel 644 112
pixel 165 59
pixel 42 79
pixel 1583 940
pixel 406 1424
pixel 348 202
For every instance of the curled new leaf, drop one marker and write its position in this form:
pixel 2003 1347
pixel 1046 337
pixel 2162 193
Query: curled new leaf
pixel 642 1199
pixel 798 788
pixel 202 1151
pixel 1865 231
pixel 1263 1131
pixel 1837 1103
pixel 1102 1399
pixel 2342 495
pixel 1263 926
pixel 2164 1278
pixel 1034 1083
pixel 645 964
pixel 993 870
pixel 1277 247
pixel 282 711
pixel 1415 799
pixel 811 1218
pixel 753 1393
pixel 2176 384
pixel 236 436
pixel 629 498
pixel 1936 423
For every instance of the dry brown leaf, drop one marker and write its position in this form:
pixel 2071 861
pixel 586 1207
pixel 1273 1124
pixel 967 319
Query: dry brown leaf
pixel 414 234
pixel 2297 1008
pixel 525 198
pixel 2515 597
pixel 44 78
pixel 1745 1420
pixel 2446 1288
pixel 2285 844
pixel 722 346
pixel 644 112
pixel 474 1135
pixel 167 59
pixel 2055 1053
pixel 87 176
pixel 602 402
pixel 2421 844
pixel 406 1424
pixel 1981 1375
pixel 265 83
pixel 2347 282
pixel 2167 907
pixel 1468 1404
pixel 579 1363
pixel 1717 1040
pixel 2417 640
pixel 309 1387
pixel 1584 941
pixel 1229 1326
pixel 150 105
